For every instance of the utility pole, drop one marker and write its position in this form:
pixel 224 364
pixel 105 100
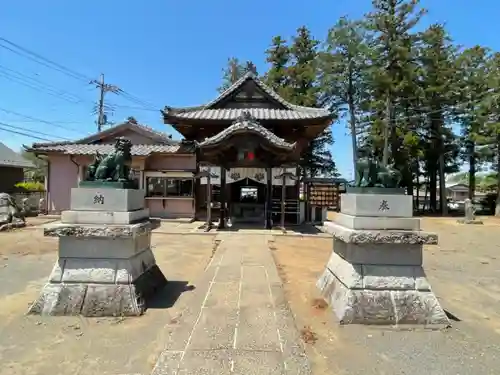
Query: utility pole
pixel 103 89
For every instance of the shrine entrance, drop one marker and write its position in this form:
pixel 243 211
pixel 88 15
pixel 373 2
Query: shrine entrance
pixel 249 160
pixel 247 201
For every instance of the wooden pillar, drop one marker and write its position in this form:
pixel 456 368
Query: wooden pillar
pixel 307 203
pixel 209 201
pixel 222 221
pixel 283 198
pixel 269 198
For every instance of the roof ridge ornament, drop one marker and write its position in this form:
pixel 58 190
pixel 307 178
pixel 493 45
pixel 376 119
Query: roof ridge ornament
pixel 245 116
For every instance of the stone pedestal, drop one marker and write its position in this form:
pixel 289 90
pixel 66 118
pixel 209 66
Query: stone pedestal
pixel 105 266
pixel 375 274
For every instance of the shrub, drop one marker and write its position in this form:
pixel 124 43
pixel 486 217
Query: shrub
pixel 30 186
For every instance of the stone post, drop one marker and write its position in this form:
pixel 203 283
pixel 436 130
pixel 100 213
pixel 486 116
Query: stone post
pixel 470 214
pixel 105 265
pixel 375 274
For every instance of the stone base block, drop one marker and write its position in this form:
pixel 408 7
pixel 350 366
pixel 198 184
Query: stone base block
pixel 104 217
pixel 380 254
pixel 100 287
pixel 377 205
pixel 105 199
pixel 103 247
pixel 378 223
pixel 99 230
pixel 368 294
pixel 361 236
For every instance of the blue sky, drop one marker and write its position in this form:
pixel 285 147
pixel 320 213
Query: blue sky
pixel 168 53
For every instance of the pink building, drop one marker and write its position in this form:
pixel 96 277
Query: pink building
pixel 164 168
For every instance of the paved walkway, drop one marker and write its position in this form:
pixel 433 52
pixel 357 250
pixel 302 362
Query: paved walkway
pixel 237 321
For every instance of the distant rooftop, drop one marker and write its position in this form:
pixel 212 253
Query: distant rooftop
pixel 10 158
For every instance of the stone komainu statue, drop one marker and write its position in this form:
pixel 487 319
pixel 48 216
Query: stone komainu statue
pixel 370 173
pixel 114 166
pixel 9 210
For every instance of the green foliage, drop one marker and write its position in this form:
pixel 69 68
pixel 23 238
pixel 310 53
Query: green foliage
pixel 234 71
pixel 39 172
pixel 278 55
pixel 30 186
pixel 343 67
pixel 403 90
pixel 294 74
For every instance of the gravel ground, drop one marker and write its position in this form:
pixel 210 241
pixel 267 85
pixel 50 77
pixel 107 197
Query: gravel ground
pixel 75 345
pixel 464 270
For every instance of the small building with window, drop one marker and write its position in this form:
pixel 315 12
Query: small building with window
pixel 162 167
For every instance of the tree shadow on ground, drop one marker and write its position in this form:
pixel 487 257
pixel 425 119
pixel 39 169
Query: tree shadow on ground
pixel 166 297
pixel 303 229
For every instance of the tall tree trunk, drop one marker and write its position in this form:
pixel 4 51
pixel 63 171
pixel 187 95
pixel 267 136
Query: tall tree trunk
pixel 442 186
pixel 472 168
pixel 438 130
pixel 431 169
pixel 427 184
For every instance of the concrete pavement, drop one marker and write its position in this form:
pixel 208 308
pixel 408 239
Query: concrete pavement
pixel 238 321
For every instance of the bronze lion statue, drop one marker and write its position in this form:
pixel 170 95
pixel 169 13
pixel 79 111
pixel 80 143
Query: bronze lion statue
pixel 114 166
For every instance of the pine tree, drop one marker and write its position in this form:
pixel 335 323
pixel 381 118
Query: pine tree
pixel 303 82
pixel 439 87
pixel 278 56
pixel 472 113
pixel 491 141
pixel 234 71
pixel 394 83
pixel 343 66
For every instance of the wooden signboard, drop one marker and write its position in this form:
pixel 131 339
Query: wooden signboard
pixel 324 195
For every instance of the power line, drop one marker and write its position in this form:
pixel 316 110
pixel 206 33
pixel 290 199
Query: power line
pixel 25 134
pixel 38 88
pixel 31 55
pixel 52 122
pixel 31 131
pixel 36 57
pixel 43 60
pixel 423 114
pixel 38 120
pixel 45 85
pixel 135 108
pixel 136 100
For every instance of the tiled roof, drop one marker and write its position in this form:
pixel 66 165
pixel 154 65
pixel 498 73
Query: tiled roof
pixel 10 158
pixel 87 146
pixel 245 123
pixel 139 128
pixel 86 149
pixel 208 112
pixel 257 113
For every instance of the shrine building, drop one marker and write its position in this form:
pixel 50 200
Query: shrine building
pixel 249 140
pixel 238 160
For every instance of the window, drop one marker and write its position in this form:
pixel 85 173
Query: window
pixel 169 187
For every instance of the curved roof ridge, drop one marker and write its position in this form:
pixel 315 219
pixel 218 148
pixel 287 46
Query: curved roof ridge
pixel 246 123
pixel 268 90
